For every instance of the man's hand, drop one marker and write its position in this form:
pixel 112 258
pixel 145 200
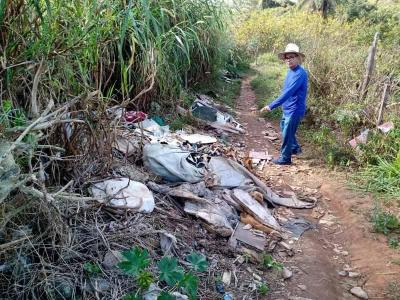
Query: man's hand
pixel 265 108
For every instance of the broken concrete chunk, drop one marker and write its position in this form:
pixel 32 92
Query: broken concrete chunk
pixel 179 192
pixel 225 175
pixel 254 208
pixel 211 214
pixel 248 237
pixel 359 292
pixel 124 193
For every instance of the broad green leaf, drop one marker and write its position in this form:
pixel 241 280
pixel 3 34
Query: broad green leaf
pixel 190 283
pixel 170 272
pixel 198 261
pixel 136 260
pixel 165 296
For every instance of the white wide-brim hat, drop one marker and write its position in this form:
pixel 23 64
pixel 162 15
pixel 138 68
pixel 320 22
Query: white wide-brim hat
pixel 291 48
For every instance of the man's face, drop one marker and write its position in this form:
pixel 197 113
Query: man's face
pixel 292 60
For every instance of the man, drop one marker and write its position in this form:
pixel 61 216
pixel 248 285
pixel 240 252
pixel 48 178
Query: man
pixel 293 101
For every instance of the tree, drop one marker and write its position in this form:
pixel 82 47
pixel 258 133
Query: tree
pixel 322 6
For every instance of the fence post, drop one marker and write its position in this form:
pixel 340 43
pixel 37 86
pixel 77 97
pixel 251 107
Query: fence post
pixel 383 103
pixel 370 67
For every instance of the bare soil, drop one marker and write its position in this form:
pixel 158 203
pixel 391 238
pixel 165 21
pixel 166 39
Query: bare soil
pixel 343 238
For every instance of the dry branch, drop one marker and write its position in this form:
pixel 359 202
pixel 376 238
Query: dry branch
pixel 34 103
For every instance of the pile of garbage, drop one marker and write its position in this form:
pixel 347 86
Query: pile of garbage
pixel 192 168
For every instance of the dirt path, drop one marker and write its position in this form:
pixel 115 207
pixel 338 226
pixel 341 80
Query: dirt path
pixel 342 240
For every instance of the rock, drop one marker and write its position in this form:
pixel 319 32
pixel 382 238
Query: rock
pixel 303 287
pixel 100 285
pixel 286 273
pixel 257 277
pixel 347 268
pixel 167 242
pixel 154 291
pixel 342 273
pixel 354 274
pixel 226 278
pixel 359 292
pixel 111 258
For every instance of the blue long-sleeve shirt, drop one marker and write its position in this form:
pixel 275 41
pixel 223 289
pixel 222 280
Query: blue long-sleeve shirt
pixel 294 93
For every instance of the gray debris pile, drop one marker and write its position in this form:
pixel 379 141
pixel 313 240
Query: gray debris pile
pixel 192 169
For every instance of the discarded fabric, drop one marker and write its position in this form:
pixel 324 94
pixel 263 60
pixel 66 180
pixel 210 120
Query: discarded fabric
pixel 134 116
pixel 298 226
pixel 361 139
pixel 386 127
pixel 124 193
pixel 172 163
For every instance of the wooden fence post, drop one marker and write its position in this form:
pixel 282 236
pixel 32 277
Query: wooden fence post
pixel 370 67
pixel 383 103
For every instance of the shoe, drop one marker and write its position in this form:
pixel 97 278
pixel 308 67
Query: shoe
pixel 297 151
pixel 279 161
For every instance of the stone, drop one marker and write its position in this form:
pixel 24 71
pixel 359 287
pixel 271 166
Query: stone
pixel 226 278
pixel 111 259
pixel 303 287
pixel 342 273
pixel 359 292
pixel 257 277
pixel 286 273
pixel 354 274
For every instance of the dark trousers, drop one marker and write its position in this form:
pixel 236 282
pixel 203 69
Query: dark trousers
pixel 289 125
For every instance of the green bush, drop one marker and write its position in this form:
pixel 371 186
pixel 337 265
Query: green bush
pixel 118 47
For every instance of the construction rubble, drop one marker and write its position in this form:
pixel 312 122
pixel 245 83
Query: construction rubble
pixel 206 178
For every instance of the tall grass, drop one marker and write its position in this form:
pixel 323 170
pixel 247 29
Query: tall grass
pixel 134 51
pixel 382 178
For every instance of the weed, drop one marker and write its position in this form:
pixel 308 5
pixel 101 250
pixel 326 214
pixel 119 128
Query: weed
pixel 144 279
pixel 394 242
pixel 263 289
pixel 384 222
pixel 396 262
pixel 393 291
pixel 382 178
pixel 91 268
pixel 180 121
pixel 135 264
pixel 268 262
